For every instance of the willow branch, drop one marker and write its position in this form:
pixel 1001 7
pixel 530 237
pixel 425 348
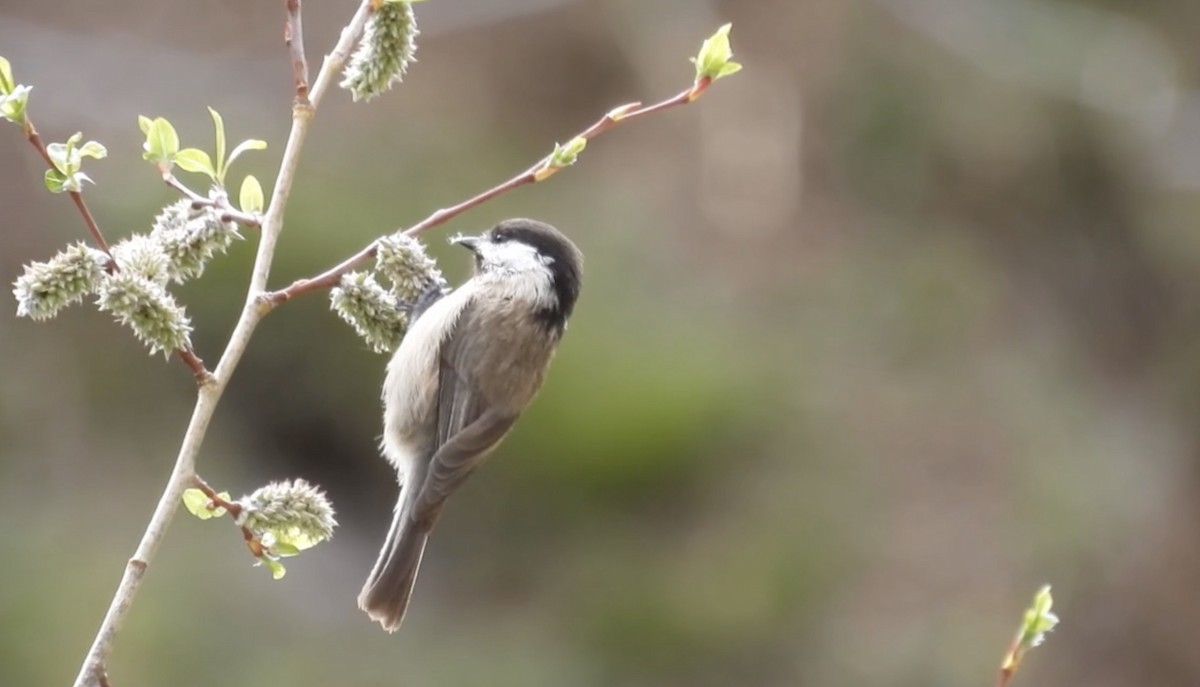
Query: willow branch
pixel 35 140
pixel 220 203
pixel 93 670
pixel 540 171
pixel 187 355
pixel 293 35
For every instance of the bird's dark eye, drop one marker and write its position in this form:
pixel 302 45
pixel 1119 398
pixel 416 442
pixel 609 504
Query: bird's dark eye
pixel 500 236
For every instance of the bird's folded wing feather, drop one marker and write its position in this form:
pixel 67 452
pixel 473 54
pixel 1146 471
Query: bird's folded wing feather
pixel 466 429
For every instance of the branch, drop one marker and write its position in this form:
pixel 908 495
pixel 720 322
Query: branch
pixel 188 356
pixel 93 669
pixel 221 203
pixel 540 171
pixel 293 35
pixel 93 228
pixel 234 509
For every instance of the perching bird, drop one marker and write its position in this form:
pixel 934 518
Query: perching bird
pixel 467 368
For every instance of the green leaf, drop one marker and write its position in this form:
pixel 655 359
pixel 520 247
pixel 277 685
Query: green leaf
pixel 284 549
pixel 13 105
pixel 56 181
pixel 219 126
pixel 7 84
pixel 295 538
pixel 197 503
pixel 162 143
pixel 276 568
pixel 93 149
pixel 714 55
pixel 144 123
pixel 249 144
pixel 60 157
pixel 251 197
pixel 196 160
pixel 729 68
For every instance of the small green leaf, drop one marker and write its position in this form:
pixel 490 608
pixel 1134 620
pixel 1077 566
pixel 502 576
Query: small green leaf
pixel 729 68
pixel 196 160
pixel 197 503
pixel 251 197
pixel 144 123
pixel 56 181
pixel 74 139
pixel 284 549
pixel 93 149
pixel 60 157
pixel 276 568
pixel 714 55
pixel 249 144
pixel 14 105
pixel 162 142
pixel 7 83
pixel 219 126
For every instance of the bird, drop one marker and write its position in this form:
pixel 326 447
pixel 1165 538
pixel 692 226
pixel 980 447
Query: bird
pixel 469 365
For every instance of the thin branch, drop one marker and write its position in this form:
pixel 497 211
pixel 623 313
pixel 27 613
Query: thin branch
pixel 217 501
pixel 201 373
pixel 210 394
pixel 540 171
pixel 293 35
pixel 94 229
pixel 221 203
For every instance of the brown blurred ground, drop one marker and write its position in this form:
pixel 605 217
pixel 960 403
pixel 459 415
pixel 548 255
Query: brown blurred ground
pixel 884 332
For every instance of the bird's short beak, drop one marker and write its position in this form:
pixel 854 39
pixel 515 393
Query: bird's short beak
pixel 470 242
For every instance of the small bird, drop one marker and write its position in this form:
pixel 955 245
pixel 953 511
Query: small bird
pixel 469 365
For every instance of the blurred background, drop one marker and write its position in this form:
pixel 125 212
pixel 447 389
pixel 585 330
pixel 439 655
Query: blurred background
pixel 884 332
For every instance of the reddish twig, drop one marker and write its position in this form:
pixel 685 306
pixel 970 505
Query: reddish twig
pixel 201 373
pixel 217 502
pixel 293 35
pixel 220 203
pixel 538 172
pixel 94 229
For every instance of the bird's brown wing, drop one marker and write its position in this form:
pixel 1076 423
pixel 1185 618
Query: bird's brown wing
pixel 467 430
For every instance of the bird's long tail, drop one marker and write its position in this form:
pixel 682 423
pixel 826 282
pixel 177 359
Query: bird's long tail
pixel 387 591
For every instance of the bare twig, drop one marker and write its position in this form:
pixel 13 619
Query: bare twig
pixel 201 373
pixel 77 197
pixel 209 394
pixel 221 203
pixel 538 172
pixel 293 35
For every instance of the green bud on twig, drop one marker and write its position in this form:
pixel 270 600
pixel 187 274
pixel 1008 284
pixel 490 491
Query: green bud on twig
pixel 716 57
